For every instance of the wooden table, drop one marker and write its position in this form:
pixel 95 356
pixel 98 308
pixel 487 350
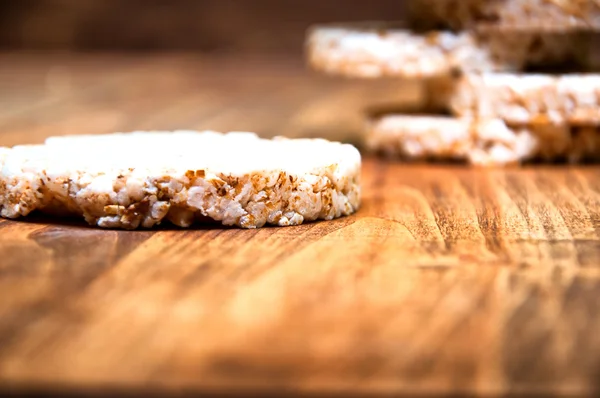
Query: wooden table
pixel 448 280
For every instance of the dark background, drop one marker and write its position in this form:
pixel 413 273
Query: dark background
pixel 176 25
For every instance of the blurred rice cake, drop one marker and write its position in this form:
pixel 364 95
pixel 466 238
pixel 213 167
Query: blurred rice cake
pixel 529 98
pixel 537 15
pixel 375 51
pixel 483 142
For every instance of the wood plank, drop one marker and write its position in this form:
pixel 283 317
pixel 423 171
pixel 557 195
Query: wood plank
pixel 448 279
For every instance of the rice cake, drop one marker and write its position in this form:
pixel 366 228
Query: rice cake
pixel 373 51
pixel 131 180
pixel 529 98
pixel 480 142
pixel 558 15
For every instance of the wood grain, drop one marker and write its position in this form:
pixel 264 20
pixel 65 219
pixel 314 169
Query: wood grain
pixel 448 280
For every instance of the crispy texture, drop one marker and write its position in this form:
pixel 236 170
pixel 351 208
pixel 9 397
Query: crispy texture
pixel 380 50
pixel 140 179
pixel 480 142
pixel 529 98
pixel 536 15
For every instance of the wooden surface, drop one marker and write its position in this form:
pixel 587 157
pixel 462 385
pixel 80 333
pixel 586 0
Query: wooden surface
pixel 448 279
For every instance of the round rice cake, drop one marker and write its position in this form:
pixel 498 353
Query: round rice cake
pixel 356 51
pixel 529 98
pixel 558 15
pixel 382 50
pixel 488 142
pixel 139 179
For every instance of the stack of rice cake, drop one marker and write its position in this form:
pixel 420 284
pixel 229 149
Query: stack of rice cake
pixel 489 68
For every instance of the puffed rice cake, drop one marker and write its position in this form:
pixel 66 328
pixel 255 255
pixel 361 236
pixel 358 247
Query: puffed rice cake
pixel 131 180
pixel 488 142
pixel 529 98
pixel 379 50
pixel 536 15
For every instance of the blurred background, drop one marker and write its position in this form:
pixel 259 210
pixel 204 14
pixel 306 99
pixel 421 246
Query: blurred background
pixel 244 26
pixel 99 66
pixel 73 66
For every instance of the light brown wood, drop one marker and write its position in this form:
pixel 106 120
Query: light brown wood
pixel 447 280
